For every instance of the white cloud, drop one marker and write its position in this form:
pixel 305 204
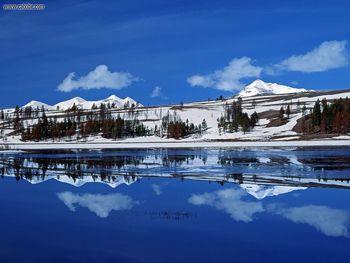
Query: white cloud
pixel 328 55
pixel 230 201
pixel 157 93
pixel 228 78
pixel 99 204
pixel 330 221
pixel 99 78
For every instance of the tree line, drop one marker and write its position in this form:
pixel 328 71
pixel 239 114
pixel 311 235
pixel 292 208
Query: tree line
pixel 111 128
pixel 100 121
pixel 176 128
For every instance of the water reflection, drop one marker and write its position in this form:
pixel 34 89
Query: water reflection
pixel 260 173
pixel 99 204
pixel 329 221
pixel 158 188
pixel 230 201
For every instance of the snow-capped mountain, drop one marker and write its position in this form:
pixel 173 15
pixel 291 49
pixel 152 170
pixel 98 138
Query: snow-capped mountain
pixel 37 104
pixel 259 87
pixel 84 104
pixel 119 103
pixel 77 101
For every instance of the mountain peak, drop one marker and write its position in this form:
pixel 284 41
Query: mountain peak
pixel 259 87
pixel 113 97
pixel 257 82
pixel 79 99
pixel 37 104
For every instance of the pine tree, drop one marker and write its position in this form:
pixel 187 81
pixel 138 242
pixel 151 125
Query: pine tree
pixel 288 111
pixel 254 119
pixel 281 113
pixel 17 121
pixel 316 114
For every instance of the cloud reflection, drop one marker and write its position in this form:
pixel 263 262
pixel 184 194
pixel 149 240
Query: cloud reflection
pixel 157 189
pixel 230 201
pixel 330 221
pixel 99 204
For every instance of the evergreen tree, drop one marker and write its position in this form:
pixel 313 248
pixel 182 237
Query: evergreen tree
pixel 254 118
pixel 288 111
pixel 281 113
pixel 17 121
pixel 316 114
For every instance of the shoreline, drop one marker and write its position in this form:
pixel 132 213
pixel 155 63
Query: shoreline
pixel 184 144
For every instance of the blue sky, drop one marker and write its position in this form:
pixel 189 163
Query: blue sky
pixel 170 51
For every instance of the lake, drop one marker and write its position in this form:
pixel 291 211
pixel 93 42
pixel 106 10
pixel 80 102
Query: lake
pixel 176 205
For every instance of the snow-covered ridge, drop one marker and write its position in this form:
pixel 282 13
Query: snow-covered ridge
pixel 84 104
pixel 259 87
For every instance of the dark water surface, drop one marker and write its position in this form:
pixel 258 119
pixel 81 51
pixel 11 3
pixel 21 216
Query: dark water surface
pixel 263 205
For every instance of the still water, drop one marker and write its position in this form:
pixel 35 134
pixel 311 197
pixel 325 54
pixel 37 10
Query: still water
pixel 238 205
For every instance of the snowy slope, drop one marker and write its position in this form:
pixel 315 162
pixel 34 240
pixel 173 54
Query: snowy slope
pixel 264 133
pixel 259 87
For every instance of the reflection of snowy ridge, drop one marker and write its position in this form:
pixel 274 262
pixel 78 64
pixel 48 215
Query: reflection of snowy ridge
pixel 262 191
pixel 257 186
pixel 81 181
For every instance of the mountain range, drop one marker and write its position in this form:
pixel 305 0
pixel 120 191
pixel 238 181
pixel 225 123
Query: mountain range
pixel 256 88
pixel 84 104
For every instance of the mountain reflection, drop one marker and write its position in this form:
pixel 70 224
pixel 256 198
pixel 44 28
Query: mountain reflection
pixel 260 173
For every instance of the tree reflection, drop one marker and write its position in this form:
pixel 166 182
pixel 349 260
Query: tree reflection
pixel 225 167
